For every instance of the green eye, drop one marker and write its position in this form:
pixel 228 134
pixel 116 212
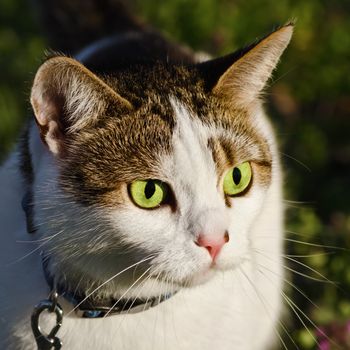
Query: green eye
pixel 148 194
pixel 237 179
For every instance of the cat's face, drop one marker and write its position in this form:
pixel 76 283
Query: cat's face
pixel 201 155
pixel 168 170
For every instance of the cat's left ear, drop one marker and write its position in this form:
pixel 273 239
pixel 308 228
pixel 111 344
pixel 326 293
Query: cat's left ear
pixel 241 76
pixel 67 97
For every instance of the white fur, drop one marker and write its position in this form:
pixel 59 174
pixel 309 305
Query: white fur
pixel 223 312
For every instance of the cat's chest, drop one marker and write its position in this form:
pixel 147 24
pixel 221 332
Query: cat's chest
pixel 210 316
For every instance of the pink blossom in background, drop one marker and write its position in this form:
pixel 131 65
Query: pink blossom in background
pixel 334 336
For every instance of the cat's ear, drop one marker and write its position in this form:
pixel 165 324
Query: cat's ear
pixel 241 77
pixel 66 97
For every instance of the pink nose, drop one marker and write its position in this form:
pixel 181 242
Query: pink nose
pixel 211 244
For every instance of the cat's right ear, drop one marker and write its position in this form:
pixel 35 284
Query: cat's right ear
pixel 66 97
pixel 240 78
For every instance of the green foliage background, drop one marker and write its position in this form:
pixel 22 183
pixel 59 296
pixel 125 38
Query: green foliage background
pixel 309 102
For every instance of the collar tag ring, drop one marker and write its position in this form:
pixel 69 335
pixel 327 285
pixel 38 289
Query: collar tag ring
pixel 47 341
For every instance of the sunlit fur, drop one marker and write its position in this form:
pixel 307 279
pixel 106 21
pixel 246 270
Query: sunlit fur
pixel 228 305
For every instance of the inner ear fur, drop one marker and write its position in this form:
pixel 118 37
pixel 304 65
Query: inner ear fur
pixel 67 97
pixel 243 81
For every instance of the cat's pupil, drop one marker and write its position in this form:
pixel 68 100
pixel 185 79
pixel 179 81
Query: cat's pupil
pixel 236 176
pixel 150 188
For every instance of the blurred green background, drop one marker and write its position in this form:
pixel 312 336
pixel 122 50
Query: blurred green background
pixel 309 102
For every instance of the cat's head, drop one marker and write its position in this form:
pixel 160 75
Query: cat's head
pixel 159 164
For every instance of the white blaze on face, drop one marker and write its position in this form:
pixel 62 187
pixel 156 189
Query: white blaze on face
pixel 196 177
pixel 200 199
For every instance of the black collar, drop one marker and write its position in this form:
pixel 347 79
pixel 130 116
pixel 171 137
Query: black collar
pixel 87 306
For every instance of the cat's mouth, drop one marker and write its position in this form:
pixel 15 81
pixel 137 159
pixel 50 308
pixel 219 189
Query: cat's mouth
pixel 199 275
pixel 194 279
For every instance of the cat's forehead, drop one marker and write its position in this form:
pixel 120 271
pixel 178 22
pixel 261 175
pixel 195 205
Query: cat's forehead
pixel 135 146
pixel 236 132
pixel 176 93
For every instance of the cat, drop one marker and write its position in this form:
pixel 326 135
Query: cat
pixel 147 186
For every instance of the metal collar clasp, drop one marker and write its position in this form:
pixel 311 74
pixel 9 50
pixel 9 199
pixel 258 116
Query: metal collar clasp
pixel 47 341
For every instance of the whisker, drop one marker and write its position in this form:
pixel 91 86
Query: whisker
pixel 306 276
pixel 316 245
pixel 289 201
pixel 35 249
pixel 266 309
pixel 297 161
pixel 291 284
pixel 155 280
pixel 295 307
pixel 156 318
pixel 325 280
pixel 312 323
pixel 78 284
pixel 307 255
pixel 34 240
pixel 121 297
pixel 285 297
pixel 313 270
pixel 296 233
pixel 179 346
pixel 140 288
pixel 109 280
pixel 164 326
